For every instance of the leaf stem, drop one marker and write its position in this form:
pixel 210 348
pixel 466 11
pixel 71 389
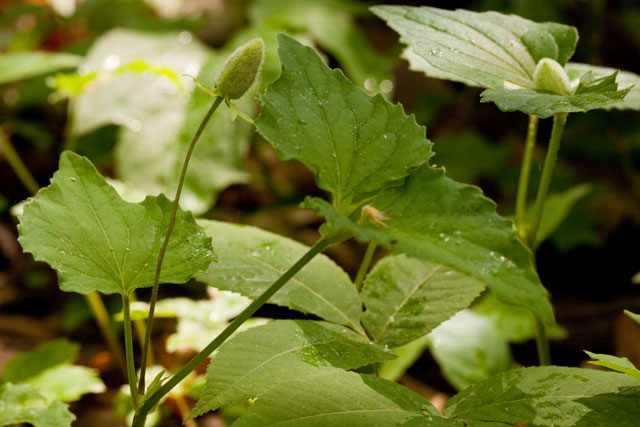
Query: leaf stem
pixel 17 165
pixel 128 345
pixel 140 326
pixel 104 324
pixel 525 171
pixel 141 413
pixel 559 121
pixel 542 343
pixel 172 220
pixel 364 265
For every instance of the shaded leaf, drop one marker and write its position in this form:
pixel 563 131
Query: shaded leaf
pixel 487 48
pixel 31 363
pixel 354 143
pixel 250 260
pixel 469 349
pixel 546 396
pixel 22 403
pixel 620 364
pixel 250 364
pixel 67 383
pixel 435 218
pixel 98 242
pixel 23 65
pixel 625 79
pixel 407 355
pixel 406 298
pixel 338 398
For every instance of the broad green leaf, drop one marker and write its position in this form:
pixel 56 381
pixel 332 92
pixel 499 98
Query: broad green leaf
pixel 469 349
pixel 592 93
pixel 23 65
pixel 557 209
pixel 98 242
pixel 250 260
pixel 31 363
pixel 432 217
pixel 406 298
pixel 255 361
pixel 513 323
pixel 487 48
pixel 338 398
pixel 354 143
pixel 620 364
pixel 421 65
pixel 22 403
pixel 547 396
pixel 407 355
pixel 625 80
pixel 67 383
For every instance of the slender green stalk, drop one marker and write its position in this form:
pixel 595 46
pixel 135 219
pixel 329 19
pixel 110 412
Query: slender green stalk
pixel 17 165
pixel 104 324
pixel 140 327
pixel 559 120
pixel 525 171
pixel 364 265
pixel 151 401
pixel 172 220
pixel 542 343
pixel 128 345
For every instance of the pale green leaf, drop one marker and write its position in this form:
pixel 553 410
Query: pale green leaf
pixel 407 355
pixel 620 364
pixel 355 143
pixel 633 316
pixel 31 363
pixel 255 361
pixel 332 397
pixel 23 65
pixel 406 298
pixel 469 349
pixel 98 242
pixel 421 65
pixel 625 80
pixel 67 383
pixel 250 260
pixel 549 396
pixel 432 217
pixel 487 48
pixel 591 94
pixel 22 403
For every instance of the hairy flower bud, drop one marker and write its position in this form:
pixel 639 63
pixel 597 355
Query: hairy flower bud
pixel 549 75
pixel 241 69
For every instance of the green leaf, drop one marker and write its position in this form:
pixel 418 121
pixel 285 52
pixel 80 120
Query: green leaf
pixel 625 80
pixel 633 316
pixel 620 364
pixel 23 65
pixel 338 398
pixel 22 403
pixel 432 217
pixel 250 364
pixel 354 143
pixel 250 260
pixel 592 93
pixel 31 363
pixel 469 349
pixel 407 355
pixel 548 396
pixel 67 383
pixel 98 242
pixel 487 48
pixel 406 298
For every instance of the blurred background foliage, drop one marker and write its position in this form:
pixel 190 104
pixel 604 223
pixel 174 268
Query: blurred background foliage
pixel 120 97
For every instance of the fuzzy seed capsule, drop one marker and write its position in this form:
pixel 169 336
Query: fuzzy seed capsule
pixel 241 69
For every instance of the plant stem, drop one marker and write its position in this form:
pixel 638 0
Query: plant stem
pixel 141 414
pixel 172 220
pixel 559 121
pixel 364 265
pixel 542 343
pixel 525 171
pixel 104 324
pixel 140 326
pixel 128 345
pixel 16 164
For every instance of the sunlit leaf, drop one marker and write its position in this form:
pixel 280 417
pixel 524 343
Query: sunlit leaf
pixel 620 364
pixel 97 242
pixel 67 383
pixel 22 403
pixel 23 65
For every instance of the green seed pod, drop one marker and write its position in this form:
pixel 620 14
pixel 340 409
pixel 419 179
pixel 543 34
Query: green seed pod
pixel 549 75
pixel 241 69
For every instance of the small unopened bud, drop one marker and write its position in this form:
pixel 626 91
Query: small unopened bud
pixel 241 69
pixel 549 75
pixel 374 216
